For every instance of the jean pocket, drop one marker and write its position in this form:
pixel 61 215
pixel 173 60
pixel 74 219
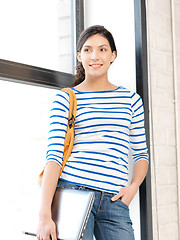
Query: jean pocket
pixel 122 203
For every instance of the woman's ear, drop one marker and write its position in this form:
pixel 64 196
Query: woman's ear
pixel 114 55
pixel 79 57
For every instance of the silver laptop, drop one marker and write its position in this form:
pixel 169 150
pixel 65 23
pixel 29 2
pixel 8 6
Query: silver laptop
pixel 74 207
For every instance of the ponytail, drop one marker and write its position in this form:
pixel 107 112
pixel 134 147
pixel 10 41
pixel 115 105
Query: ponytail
pixel 80 74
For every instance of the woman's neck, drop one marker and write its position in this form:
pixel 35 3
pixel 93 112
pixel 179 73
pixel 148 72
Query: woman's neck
pixel 96 84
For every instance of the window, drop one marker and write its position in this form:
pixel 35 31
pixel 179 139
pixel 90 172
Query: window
pixel 25 107
pixel 39 33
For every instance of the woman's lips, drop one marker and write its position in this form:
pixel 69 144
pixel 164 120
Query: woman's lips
pixel 95 65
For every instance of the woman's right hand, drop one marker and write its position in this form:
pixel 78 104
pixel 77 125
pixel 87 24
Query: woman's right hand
pixel 46 229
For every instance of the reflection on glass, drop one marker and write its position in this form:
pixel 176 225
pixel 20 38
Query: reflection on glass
pixel 38 33
pixel 23 126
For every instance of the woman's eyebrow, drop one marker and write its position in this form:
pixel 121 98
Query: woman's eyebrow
pixel 87 46
pixel 103 45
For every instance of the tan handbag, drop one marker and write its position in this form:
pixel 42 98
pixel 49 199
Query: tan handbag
pixel 69 137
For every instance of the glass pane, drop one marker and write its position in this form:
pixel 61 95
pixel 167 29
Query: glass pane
pixel 23 126
pixel 38 33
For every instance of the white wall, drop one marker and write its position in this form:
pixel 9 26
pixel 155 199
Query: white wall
pixel 118 17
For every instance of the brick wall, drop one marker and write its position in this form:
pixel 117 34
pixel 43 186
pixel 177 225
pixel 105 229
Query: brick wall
pixel 163 127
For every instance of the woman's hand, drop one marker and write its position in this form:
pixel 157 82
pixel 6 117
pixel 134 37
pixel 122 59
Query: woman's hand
pixel 126 194
pixel 46 230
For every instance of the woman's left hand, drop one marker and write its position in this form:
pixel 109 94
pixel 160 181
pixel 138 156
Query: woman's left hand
pixel 126 194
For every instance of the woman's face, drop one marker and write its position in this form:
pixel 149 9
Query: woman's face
pixel 96 56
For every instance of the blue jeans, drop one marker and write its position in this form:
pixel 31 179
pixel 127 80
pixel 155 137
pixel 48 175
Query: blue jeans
pixel 108 220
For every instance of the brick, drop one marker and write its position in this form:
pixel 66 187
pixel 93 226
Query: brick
pixel 172 175
pixel 171 138
pixel 156 22
pixel 163 41
pixel 173 231
pixel 177 10
pixel 158 97
pixel 178 72
pixel 168 231
pixel 178 47
pixel 160 136
pixel 168 63
pixel 165 155
pixel 164 118
pixel 167 195
pixel 162 175
pixel 162 6
pixel 173 213
pixel 177 28
pixel 152 80
pixel 164 215
pixel 158 59
pixel 155 17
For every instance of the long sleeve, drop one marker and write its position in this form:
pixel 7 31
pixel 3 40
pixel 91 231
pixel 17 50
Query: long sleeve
pixel 57 127
pixel 137 130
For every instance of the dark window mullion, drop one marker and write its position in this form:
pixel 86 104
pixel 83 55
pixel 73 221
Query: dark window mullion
pixel 142 89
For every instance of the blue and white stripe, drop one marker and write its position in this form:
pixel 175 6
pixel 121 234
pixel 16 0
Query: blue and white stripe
pixel 107 124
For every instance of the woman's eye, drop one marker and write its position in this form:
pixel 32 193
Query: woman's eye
pixel 103 49
pixel 87 50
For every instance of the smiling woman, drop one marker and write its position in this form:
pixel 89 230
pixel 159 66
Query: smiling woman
pixel 109 122
pixel 96 50
pixel 96 56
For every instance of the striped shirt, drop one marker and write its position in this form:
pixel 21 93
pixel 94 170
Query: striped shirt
pixel 107 125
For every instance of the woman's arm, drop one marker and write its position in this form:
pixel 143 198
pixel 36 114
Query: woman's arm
pixel 46 227
pixel 139 172
pixel 139 151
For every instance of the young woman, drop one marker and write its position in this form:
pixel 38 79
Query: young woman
pixel 109 119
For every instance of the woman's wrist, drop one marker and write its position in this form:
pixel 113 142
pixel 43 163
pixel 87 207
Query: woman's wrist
pixel 135 186
pixel 44 214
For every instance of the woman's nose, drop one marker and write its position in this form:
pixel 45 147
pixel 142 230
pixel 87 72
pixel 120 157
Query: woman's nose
pixel 94 55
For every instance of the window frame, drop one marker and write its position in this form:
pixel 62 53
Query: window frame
pixel 142 90
pixel 32 75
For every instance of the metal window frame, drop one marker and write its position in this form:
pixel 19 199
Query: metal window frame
pixel 142 90
pixel 26 74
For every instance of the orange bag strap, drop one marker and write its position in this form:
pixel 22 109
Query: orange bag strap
pixel 69 132
pixel 72 105
pixel 70 127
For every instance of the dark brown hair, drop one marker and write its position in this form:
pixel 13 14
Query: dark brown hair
pixel 91 31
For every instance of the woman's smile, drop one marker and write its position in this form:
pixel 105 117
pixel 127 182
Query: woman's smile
pixel 95 66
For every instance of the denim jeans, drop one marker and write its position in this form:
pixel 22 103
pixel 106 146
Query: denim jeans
pixel 108 220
